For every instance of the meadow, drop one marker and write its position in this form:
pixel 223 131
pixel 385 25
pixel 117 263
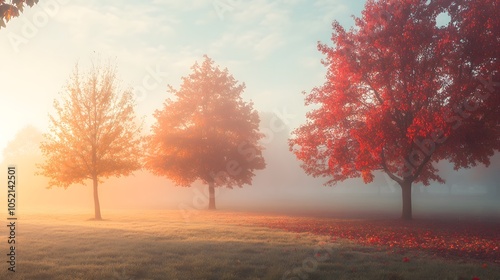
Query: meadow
pixel 172 244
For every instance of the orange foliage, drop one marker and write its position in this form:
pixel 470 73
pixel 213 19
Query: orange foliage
pixel 12 9
pixel 93 134
pixel 207 132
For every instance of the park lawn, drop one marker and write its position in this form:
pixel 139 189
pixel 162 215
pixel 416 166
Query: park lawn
pixel 170 244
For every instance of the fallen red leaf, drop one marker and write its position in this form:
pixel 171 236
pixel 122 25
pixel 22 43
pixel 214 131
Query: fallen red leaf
pixel 466 240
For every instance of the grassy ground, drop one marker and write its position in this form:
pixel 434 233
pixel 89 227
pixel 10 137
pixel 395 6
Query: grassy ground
pixel 207 245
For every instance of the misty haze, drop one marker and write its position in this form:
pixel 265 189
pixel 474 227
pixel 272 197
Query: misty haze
pixel 236 140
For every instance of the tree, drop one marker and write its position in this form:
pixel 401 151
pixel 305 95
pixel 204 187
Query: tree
pixel 93 134
pixel 206 133
pixel 12 9
pixel 402 93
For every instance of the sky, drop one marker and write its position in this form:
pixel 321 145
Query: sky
pixel 270 45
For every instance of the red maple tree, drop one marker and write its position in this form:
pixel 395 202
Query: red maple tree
pixel 403 93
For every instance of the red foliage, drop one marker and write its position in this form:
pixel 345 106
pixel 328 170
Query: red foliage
pixel 402 93
pixel 467 240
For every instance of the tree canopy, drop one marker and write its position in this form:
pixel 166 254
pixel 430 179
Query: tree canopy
pixel 93 134
pixel 402 93
pixel 207 132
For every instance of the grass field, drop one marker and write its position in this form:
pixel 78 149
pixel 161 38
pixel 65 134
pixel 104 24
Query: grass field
pixel 222 245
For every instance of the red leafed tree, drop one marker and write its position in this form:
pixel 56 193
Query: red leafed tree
pixel 11 9
pixel 207 133
pixel 402 93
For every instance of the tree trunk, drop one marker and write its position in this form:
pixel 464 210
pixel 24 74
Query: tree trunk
pixel 211 192
pixel 406 192
pixel 97 207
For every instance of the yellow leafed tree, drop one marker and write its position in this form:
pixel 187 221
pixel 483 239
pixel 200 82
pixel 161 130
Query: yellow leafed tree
pixel 93 134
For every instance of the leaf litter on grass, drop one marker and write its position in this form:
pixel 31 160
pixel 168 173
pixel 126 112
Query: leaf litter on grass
pixel 466 240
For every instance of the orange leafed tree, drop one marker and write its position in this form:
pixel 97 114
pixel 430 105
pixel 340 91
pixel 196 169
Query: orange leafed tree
pixel 206 133
pixel 11 9
pixel 403 93
pixel 93 134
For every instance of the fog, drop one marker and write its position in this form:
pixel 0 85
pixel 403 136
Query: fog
pixel 282 187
